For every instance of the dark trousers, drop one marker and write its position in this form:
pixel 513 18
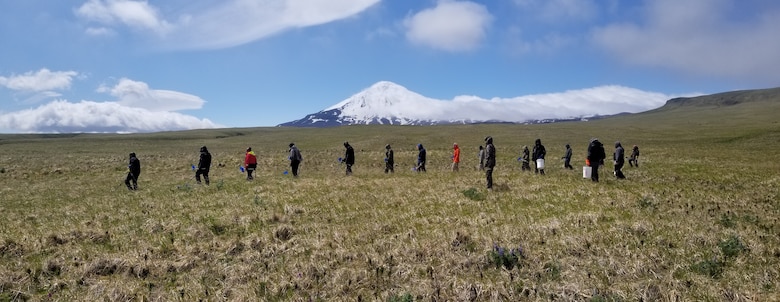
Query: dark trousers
pixel 536 168
pixel 489 177
pixel 594 173
pixel 619 171
pixel 294 165
pixel 567 164
pixel 421 167
pixel 205 173
pixel 349 169
pixel 131 178
pixel 249 169
pixel 389 167
pixel 634 162
pixel 525 166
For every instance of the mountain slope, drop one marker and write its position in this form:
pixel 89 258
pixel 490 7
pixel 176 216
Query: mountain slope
pixel 730 98
pixel 389 103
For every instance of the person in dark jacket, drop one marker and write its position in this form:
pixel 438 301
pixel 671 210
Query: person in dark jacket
pixel 389 160
pixel 490 161
pixel 634 159
pixel 421 158
pixel 295 159
pixel 349 157
pixel 567 158
pixel 204 164
pixel 250 163
pixel 595 158
pixel 134 170
pixel 619 160
pixel 538 153
pixel 526 159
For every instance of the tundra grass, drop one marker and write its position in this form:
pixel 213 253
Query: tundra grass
pixel 697 220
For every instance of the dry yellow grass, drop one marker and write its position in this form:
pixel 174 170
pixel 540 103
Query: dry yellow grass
pixel 70 230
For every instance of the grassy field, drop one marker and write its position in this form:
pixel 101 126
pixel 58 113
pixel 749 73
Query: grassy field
pixel 698 220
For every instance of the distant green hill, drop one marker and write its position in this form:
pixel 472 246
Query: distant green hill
pixel 711 115
pixel 771 95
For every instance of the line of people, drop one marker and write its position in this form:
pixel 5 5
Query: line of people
pixel 487 161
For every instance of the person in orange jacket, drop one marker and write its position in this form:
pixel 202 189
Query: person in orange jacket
pixel 455 157
pixel 250 163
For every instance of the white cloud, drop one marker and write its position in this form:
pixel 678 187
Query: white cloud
pixel 603 100
pixel 705 37
pixel 451 26
pixel 135 14
pixel 387 99
pixel 558 11
pixel 221 24
pixel 41 80
pixel 138 94
pixel 65 117
pixel 100 31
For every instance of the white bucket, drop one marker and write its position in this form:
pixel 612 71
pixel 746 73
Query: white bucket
pixel 586 171
pixel 540 163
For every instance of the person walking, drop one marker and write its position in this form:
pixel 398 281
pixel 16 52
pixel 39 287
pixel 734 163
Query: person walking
pixel 455 157
pixel 526 159
pixel 634 159
pixel 538 153
pixel 490 161
pixel 567 158
pixel 595 158
pixel 619 160
pixel 250 163
pixel 421 158
pixel 389 160
pixel 204 164
pixel 481 156
pixel 134 170
pixel 349 157
pixel 295 159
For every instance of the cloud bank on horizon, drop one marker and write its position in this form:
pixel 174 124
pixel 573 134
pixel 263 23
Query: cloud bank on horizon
pixel 192 51
pixel 387 99
pixel 138 108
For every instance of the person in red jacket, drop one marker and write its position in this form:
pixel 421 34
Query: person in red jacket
pixel 250 163
pixel 455 157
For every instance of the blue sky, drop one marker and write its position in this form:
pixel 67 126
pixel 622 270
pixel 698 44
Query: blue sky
pixel 135 66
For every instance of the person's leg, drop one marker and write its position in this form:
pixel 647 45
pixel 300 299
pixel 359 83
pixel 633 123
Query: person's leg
pixel 197 176
pixel 128 179
pixel 619 171
pixel 536 167
pixel 489 177
pixel 206 176
pixel 135 182
pixel 594 174
pixel 294 165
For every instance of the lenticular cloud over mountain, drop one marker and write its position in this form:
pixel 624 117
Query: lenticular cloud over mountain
pixel 390 103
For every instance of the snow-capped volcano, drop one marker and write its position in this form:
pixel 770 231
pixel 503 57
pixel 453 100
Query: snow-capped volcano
pixel 389 103
pixel 382 103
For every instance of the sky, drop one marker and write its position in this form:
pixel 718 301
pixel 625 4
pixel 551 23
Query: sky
pixel 145 66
